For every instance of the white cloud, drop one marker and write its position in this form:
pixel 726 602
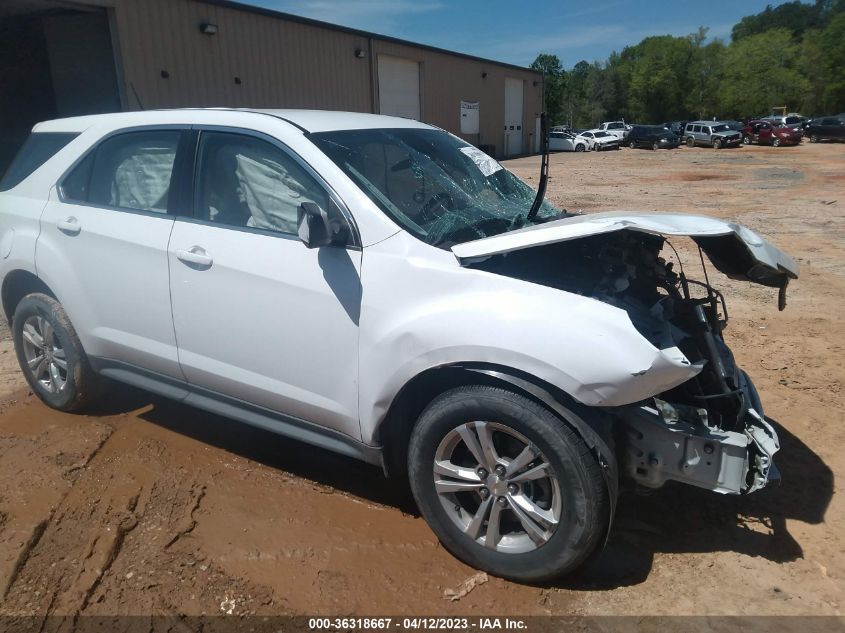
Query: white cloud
pixel 383 16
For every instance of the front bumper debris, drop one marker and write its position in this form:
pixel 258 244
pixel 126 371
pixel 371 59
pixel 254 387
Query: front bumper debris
pixel 673 442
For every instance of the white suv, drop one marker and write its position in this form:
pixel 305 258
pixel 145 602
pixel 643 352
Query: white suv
pixel 378 287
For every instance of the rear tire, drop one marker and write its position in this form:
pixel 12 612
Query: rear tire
pixel 775 142
pixel 567 484
pixel 655 146
pixel 746 140
pixel 51 355
pixel 814 138
pixel 632 145
pixel 690 142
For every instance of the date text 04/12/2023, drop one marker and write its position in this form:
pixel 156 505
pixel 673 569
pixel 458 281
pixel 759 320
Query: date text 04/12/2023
pixel 417 623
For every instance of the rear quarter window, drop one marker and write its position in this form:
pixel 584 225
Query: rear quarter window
pixel 37 150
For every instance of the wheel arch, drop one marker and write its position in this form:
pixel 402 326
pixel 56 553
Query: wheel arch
pixel 16 285
pixel 593 425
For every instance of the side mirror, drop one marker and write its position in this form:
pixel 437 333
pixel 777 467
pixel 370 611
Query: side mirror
pixel 317 227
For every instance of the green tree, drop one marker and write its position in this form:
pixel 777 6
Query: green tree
pixel 554 81
pixel 658 77
pixel 704 77
pixel 831 41
pixel 794 16
pixel 761 72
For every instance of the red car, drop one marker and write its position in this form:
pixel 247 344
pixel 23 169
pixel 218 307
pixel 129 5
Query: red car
pixel 766 133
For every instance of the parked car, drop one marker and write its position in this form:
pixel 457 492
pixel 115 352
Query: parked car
pixel 599 140
pixel 378 287
pixel 713 134
pixel 792 120
pixel 617 128
pixel 565 142
pixel 652 137
pixel 676 127
pixel 765 133
pixel 826 129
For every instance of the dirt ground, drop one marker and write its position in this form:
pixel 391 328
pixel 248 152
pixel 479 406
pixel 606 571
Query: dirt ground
pixel 149 507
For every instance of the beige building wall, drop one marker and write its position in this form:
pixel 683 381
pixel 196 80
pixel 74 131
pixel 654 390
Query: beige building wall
pixel 257 60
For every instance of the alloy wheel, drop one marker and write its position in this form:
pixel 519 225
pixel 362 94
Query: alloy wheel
pixel 45 358
pixel 497 487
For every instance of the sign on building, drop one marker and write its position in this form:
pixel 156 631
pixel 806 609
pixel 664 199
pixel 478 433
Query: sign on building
pixel 469 117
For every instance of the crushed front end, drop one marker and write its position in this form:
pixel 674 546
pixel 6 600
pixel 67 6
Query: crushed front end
pixel 710 430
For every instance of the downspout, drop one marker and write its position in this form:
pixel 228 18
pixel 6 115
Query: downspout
pixel 373 91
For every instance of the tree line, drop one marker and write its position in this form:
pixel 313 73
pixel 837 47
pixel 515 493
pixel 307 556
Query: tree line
pixel 790 55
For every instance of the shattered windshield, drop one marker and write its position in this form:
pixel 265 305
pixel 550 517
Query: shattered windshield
pixel 433 184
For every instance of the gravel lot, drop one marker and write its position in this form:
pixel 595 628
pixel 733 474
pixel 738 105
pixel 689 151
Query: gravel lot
pixel 148 507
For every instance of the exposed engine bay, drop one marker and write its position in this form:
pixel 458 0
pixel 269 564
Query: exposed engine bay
pixel 709 431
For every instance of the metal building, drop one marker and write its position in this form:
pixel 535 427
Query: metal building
pixel 62 58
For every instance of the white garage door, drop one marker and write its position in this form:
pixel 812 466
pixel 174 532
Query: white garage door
pixel 513 116
pixel 399 87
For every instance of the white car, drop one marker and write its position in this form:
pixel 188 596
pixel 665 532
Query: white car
pixel 378 287
pixel 619 129
pixel 599 140
pixel 566 142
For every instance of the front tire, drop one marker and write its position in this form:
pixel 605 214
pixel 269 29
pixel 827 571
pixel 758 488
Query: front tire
pixel 51 355
pixel 507 486
pixel 717 144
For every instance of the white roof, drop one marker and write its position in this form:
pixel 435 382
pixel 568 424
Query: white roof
pixel 309 120
pixel 327 120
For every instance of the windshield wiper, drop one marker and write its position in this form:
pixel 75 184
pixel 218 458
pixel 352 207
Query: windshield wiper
pixel 544 170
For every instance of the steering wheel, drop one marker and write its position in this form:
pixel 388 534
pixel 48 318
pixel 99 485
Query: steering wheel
pixel 441 200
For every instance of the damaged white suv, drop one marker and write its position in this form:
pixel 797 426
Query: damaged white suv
pixel 378 287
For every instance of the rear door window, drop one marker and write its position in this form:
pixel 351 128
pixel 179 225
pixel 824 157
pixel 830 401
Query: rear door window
pixel 130 171
pixel 38 149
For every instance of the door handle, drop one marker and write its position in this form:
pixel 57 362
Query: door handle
pixel 70 226
pixel 196 255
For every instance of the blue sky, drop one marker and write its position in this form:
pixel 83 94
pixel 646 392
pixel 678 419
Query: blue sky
pixel 516 31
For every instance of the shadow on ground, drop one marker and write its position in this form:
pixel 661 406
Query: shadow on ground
pixel 683 519
pixel 267 448
pixel 674 519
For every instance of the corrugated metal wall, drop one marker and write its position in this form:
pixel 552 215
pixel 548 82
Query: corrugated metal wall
pixel 286 64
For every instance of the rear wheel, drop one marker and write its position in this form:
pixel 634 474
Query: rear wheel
pixel 632 144
pixel 51 355
pixel 775 142
pixel 507 486
pixel 746 140
pixel 814 138
pixel 690 142
pixel 655 146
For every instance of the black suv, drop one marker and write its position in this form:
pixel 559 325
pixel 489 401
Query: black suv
pixel 826 128
pixel 652 136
